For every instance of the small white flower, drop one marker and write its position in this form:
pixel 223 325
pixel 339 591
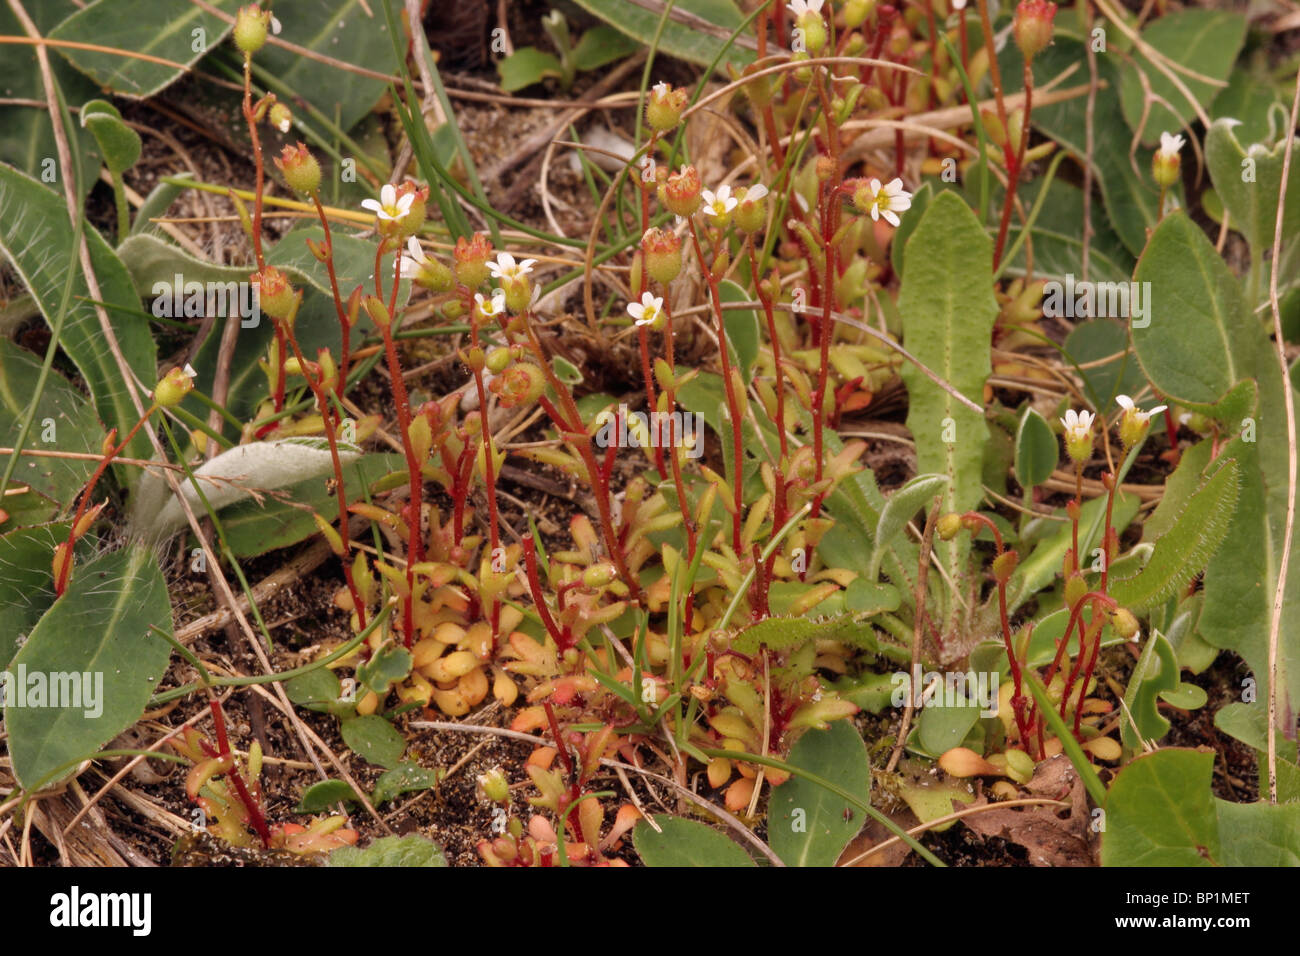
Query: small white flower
pixel 1170 145
pixel 284 124
pixel 1078 425
pixel 275 25
pixel 490 308
pixel 389 206
pixel 754 193
pixel 800 7
pixel 505 268
pixel 889 200
pixel 661 89
pixel 413 259
pixel 190 371
pixel 1126 403
pixel 959 5
pixel 719 204
pixel 648 310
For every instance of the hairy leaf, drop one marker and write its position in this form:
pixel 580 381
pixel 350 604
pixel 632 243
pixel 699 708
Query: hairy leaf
pixel 1184 550
pixel 947 307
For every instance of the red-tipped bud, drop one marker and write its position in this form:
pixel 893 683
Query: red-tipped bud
pixel 663 254
pixel 275 296
pixel 682 192
pixel 299 168
pixel 471 260
pixel 1033 26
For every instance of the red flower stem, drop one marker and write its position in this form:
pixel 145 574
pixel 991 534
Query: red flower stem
pixel 257 160
pixel 829 219
pixel 581 440
pixel 236 778
pixel 489 471
pixel 65 571
pixel 769 117
pixel 415 549
pixel 1015 162
pixel 345 325
pixel 558 635
pixel 329 418
pixel 733 403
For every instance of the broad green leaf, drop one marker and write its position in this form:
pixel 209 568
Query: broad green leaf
pixel 36 238
pixel 600 46
pixel 119 143
pixel 684 842
pixel 1184 550
pixel 940 727
pixel 26 581
pixel 684 41
pixel 900 507
pixel 1160 812
pixel 404 778
pixel 1205 41
pixel 1241 578
pixel 1259 834
pixel 1248 722
pixel 566 371
pixel 807 825
pixel 947 307
pixel 26 133
pixel 97 658
pixel 324 794
pixel 391 851
pixel 63 421
pixel 1248 181
pixel 526 66
pixel 374 739
pixel 742 328
pixel 319 690
pixel 1037 451
pixel 1091 341
pixel 174 30
pixel 354 31
pixel 1199 340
